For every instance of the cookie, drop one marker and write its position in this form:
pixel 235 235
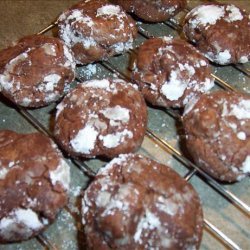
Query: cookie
pixel 170 72
pixel 217 128
pixel 153 10
pixel 137 203
pixel 96 30
pixel 101 118
pixel 220 31
pixel 36 71
pixel 34 180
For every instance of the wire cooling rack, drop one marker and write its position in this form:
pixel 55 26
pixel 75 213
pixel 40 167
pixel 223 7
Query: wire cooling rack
pixel 157 145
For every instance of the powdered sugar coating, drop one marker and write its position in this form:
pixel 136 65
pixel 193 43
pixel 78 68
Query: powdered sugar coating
pixel 86 29
pixel 61 175
pixel 246 165
pixel 109 10
pixel 36 71
pixel 106 120
pixel 216 120
pixel 207 15
pixel 170 72
pixel 115 139
pixel 174 88
pixel 135 202
pixel 116 113
pixel 27 218
pixel 208 25
pixel 85 140
pixel 34 182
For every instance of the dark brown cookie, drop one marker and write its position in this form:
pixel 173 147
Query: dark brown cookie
pixel 218 134
pixel 101 117
pixel 170 72
pixel 220 31
pixel 96 30
pixel 153 10
pixel 137 203
pixel 34 180
pixel 36 71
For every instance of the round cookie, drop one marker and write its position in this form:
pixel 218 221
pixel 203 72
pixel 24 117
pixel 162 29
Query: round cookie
pixel 170 72
pixel 96 30
pixel 220 31
pixel 36 71
pixel 137 203
pixel 101 118
pixel 153 10
pixel 34 180
pixel 218 134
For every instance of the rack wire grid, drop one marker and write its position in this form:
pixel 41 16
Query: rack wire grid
pixel 226 207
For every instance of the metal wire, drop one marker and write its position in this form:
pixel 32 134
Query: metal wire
pixel 44 241
pixel 221 235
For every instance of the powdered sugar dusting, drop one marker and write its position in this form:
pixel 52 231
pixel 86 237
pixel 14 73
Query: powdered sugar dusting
pixel 116 113
pixel 49 82
pixel 102 84
pixel 118 160
pixel 113 140
pixel 149 221
pixel 49 49
pixel 61 174
pixel 234 14
pixel 70 37
pixel 89 71
pixel 3 173
pixel 190 105
pixel 85 140
pixel 242 135
pixel 20 221
pixel 246 165
pixel 5 77
pixel 240 110
pixel 207 14
pixel 223 57
pixel 174 88
pixel 70 62
pixel 109 10
pixel 243 59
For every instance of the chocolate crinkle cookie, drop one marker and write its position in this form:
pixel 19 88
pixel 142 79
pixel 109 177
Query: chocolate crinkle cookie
pixel 137 203
pixel 96 30
pixel 101 118
pixel 217 127
pixel 34 180
pixel 153 10
pixel 170 72
pixel 36 71
pixel 220 31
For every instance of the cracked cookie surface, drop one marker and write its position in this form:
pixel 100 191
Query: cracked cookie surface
pixel 138 203
pixel 36 71
pixel 101 118
pixel 217 128
pixel 34 180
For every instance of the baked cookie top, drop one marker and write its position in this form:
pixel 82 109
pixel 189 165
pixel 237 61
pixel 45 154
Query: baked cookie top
pixel 137 203
pixel 36 71
pixel 34 180
pixel 220 31
pixel 96 30
pixel 101 118
pixel 170 72
pixel 218 134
